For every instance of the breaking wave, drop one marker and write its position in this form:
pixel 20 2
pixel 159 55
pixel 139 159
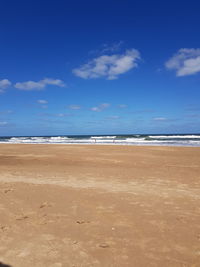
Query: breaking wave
pixel 174 140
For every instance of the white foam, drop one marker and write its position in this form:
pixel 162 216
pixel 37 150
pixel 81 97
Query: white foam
pixel 103 137
pixel 175 140
pixel 175 136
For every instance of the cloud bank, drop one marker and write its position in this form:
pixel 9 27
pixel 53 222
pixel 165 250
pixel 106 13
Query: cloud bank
pixel 108 66
pixel 185 62
pixel 40 85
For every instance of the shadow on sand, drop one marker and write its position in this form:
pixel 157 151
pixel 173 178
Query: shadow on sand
pixel 4 265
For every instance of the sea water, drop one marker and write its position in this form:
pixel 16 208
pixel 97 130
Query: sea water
pixel 138 139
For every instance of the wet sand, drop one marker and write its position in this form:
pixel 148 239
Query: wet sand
pixel 99 206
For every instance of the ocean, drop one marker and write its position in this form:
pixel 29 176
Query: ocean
pixel 134 139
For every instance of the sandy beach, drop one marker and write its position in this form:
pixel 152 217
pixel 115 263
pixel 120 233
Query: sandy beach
pixel 99 206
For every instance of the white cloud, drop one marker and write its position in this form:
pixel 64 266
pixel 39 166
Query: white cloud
pixel 42 101
pixel 114 47
pixel 3 123
pixel 109 66
pixel 107 48
pixel 160 119
pixel 101 107
pixel 95 109
pixel 5 83
pixel 40 85
pixel 30 85
pixel 75 107
pixel 122 106
pixel 56 82
pixel 61 115
pixel 185 62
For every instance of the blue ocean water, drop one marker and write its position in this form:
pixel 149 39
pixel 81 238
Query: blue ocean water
pixel 138 139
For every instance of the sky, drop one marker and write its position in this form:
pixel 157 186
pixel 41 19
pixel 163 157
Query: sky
pixel 99 67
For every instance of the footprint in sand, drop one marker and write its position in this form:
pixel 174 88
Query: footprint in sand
pixel 82 222
pixel 4 228
pixel 8 190
pixel 21 218
pixel 181 218
pixel 104 245
pixel 45 204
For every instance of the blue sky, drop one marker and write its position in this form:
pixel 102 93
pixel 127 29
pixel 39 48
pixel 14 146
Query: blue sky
pixel 99 67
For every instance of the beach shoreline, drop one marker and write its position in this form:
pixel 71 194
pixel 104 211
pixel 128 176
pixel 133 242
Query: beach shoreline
pixel 99 205
pixel 191 140
pixel 104 144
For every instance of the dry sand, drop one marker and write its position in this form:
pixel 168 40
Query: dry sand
pixel 108 206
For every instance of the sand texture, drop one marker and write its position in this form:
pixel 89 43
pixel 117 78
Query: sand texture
pixel 99 206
